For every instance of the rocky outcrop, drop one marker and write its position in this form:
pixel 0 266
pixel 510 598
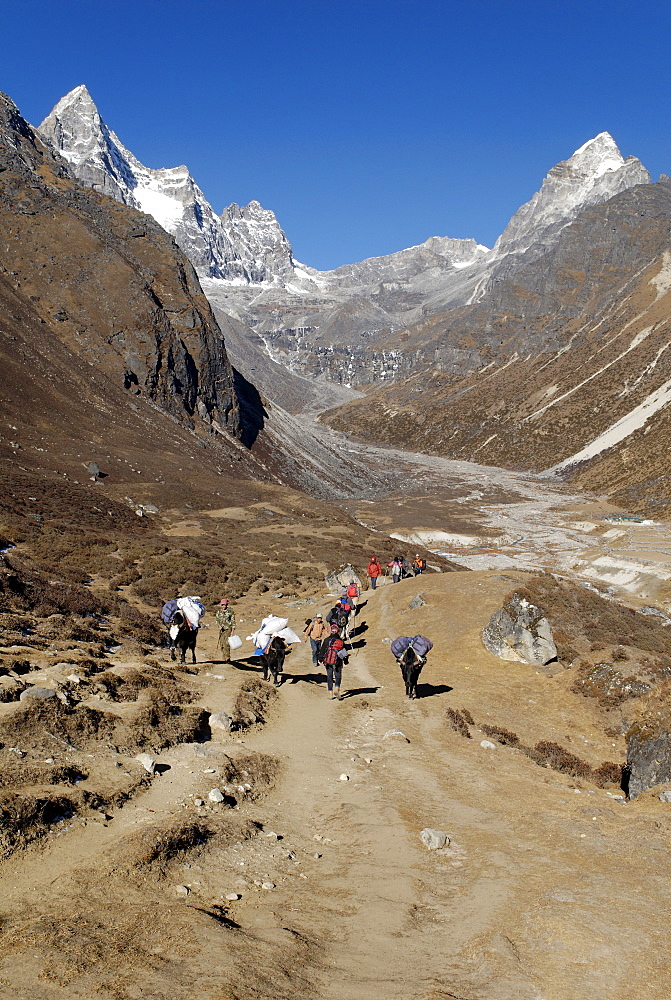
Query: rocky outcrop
pixel 649 742
pixel 109 283
pixel 521 632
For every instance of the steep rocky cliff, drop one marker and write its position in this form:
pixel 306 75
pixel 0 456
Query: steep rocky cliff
pixel 110 284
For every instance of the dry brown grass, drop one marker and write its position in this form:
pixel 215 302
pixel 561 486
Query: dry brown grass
pixel 458 722
pixel 251 704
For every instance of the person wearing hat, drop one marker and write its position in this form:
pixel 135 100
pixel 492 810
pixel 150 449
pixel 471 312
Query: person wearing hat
pixel 226 622
pixel 316 630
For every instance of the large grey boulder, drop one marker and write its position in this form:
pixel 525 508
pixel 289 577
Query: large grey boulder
pixel 37 692
pixel 339 578
pixel 521 632
pixel 648 759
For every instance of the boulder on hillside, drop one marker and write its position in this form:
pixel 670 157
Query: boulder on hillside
pixel 520 631
pixel 339 578
pixel 649 742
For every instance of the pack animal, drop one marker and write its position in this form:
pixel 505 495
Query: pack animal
pixel 185 638
pixel 411 664
pixel 273 659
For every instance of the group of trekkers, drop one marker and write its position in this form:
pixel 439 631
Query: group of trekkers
pixel 328 635
pixel 398 569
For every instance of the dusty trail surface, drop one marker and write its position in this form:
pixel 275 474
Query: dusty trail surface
pixel 538 895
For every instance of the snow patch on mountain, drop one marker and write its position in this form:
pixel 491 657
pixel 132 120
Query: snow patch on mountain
pixel 245 245
pixel 621 429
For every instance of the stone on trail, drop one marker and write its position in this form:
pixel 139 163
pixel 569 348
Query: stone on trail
pixel 267 885
pixel 520 631
pixel 488 745
pixel 182 890
pixel 397 733
pixel 37 692
pixel 216 795
pixel 219 720
pixel 434 839
pixel 416 602
pixel 232 896
pixel 344 777
pixel 147 761
pixel 665 796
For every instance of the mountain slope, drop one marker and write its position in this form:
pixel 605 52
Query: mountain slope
pixel 111 284
pixel 577 367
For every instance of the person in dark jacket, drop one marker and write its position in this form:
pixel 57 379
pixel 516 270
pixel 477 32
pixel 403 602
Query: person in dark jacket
pixel 328 654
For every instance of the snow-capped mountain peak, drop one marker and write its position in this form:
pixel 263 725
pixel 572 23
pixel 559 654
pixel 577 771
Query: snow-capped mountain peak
pixel 594 173
pixel 245 245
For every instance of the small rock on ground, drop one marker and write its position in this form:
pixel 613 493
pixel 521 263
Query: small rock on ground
pixel 488 745
pixel 434 839
pixel 396 733
pixel 665 796
pixel 219 720
pixel 216 795
pixel 37 692
pixel 147 761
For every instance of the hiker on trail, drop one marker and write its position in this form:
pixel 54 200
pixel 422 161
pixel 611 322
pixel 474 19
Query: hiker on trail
pixel 395 567
pixel 339 616
pixel 374 570
pixel 418 565
pixel 352 593
pixel 404 567
pixel 332 653
pixel 316 631
pixel 225 618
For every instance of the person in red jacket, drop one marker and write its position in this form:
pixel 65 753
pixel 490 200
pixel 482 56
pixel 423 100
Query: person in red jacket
pixel 374 570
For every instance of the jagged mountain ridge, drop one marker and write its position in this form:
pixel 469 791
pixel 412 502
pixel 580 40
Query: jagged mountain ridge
pixel 236 246
pixel 338 323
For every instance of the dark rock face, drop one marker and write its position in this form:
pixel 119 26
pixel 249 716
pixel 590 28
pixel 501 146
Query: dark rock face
pixel 648 760
pixel 110 283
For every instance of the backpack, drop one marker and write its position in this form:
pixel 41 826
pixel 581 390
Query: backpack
pixel 352 590
pixel 421 645
pixel 331 655
pixel 168 611
pixel 421 564
pixel 342 618
pixel 399 646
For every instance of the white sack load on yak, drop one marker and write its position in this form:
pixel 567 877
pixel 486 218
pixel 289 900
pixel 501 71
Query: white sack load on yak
pixel 272 626
pixel 192 608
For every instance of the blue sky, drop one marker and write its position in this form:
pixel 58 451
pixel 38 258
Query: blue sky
pixel 366 126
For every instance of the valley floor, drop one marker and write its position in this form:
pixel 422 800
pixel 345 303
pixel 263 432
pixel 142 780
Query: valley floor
pixel 550 888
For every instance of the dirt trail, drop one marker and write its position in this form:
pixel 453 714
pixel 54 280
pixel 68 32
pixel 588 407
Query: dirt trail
pixel 539 895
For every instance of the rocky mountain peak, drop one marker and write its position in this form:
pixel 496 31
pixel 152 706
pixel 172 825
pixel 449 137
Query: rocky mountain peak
pixel 592 175
pixel 262 248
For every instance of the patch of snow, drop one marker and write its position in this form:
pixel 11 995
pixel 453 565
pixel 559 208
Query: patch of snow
pixel 621 429
pixel 166 210
pixel 638 339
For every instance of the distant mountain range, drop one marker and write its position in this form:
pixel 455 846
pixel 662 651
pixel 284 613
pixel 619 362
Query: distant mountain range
pixel 548 351
pixel 336 322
